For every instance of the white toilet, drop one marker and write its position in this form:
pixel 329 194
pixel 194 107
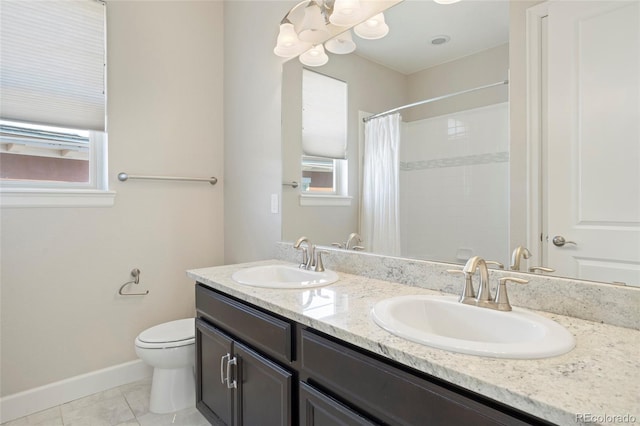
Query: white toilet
pixel 170 349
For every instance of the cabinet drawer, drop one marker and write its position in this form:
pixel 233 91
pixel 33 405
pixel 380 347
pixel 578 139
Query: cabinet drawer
pixel 388 393
pixel 265 332
pixel 318 409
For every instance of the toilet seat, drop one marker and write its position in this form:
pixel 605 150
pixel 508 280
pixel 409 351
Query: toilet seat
pixel 168 335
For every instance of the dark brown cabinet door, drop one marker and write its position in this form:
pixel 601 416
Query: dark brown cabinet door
pixel 213 398
pixel 264 389
pixel 318 409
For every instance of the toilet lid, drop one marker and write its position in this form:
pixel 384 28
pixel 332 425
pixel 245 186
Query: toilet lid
pixel 173 331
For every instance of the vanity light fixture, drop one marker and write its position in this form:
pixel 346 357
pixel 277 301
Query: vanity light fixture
pixel 346 13
pixel 288 44
pixel 313 28
pixel 341 44
pixel 446 1
pixel 373 28
pixel 312 23
pixel 314 57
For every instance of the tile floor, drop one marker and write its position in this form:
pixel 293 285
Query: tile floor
pixel 126 405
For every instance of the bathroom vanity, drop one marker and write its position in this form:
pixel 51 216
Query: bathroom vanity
pixel 315 357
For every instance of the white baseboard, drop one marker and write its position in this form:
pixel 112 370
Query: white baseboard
pixel 34 400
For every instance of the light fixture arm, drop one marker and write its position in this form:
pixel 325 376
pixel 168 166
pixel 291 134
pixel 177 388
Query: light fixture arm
pixel 286 20
pixel 325 5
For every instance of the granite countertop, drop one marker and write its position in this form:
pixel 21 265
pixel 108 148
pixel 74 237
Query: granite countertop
pixel 592 384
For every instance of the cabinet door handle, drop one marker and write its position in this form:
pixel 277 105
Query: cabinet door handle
pixel 231 384
pixel 222 363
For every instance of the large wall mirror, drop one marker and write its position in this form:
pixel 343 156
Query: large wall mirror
pixel 466 185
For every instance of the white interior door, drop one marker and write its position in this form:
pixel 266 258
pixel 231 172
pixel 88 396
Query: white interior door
pixel 593 151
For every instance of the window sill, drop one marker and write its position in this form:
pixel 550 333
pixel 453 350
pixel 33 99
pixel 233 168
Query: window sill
pixel 23 197
pixel 325 200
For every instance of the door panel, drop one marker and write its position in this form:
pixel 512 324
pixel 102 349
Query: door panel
pixel 213 397
pixel 593 140
pixel 264 389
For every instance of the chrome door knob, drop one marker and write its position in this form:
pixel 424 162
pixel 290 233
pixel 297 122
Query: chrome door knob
pixel 559 241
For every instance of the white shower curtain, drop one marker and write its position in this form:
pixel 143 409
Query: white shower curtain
pixel 380 221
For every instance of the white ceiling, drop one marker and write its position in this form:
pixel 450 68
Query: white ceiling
pixel 473 25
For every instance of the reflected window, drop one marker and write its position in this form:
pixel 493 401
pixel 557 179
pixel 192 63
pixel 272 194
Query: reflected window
pixel 322 175
pixel 324 135
pixel 319 303
pixel 457 129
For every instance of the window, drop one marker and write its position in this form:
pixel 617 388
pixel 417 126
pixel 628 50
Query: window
pixel 318 175
pixel 50 157
pixel 52 102
pixel 324 139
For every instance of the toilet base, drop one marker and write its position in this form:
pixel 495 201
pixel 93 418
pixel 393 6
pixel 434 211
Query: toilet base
pixel 172 390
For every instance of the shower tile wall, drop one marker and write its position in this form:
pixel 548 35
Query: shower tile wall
pixel 454 186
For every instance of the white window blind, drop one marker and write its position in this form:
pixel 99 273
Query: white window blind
pixel 52 62
pixel 324 116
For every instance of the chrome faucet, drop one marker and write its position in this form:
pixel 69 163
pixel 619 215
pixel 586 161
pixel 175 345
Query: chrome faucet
pixel 519 253
pixel 483 298
pixel 308 253
pixel 353 241
pixel 484 290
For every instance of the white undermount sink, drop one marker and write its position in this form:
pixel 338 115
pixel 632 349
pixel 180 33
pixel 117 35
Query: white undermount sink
pixel 283 276
pixel 443 322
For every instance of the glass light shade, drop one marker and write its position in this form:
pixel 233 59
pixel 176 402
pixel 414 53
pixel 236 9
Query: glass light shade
pixel 346 13
pixel 373 28
pixel 288 44
pixel 313 28
pixel 446 1
pixel 341 44
pixel 314 57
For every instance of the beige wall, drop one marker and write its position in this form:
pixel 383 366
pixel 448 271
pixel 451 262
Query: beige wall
pixel 482 68
pixel 61 267
pixel 252 153
pixel 371 88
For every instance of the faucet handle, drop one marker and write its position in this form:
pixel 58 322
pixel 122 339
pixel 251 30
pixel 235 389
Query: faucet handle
pixel 358 248
pixel 493 262
pixel 319 265
pixel 536 269
pixel 468 294
pixel 337 245
pixel 502 299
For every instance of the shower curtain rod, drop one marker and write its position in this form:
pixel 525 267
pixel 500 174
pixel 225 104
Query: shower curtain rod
pixel 438 98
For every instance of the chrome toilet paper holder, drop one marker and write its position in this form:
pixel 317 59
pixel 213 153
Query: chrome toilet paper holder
pixel 135 273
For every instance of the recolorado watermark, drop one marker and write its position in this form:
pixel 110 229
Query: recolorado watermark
pixel 605 418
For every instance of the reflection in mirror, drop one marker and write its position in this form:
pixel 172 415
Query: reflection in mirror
pixel 454 185
pixel 459 170
pixel 324 134
pixel 374 87
pixel 317 175
pixel 312 27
